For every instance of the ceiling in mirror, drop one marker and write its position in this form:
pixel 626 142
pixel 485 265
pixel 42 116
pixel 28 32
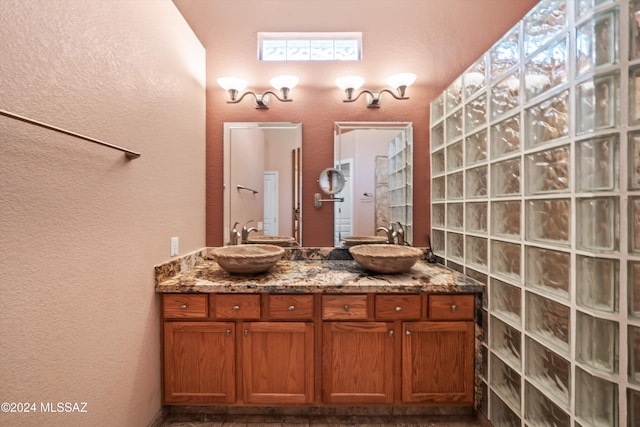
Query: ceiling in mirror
pixel 376 159
pixel 262 181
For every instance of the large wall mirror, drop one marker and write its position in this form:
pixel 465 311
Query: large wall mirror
pixel 262 178
pixel 376 159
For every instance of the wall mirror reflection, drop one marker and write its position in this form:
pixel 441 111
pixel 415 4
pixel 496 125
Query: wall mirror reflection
pixel 376 159
pixel 262 182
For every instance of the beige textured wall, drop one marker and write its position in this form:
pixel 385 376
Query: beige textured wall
pixel 81 227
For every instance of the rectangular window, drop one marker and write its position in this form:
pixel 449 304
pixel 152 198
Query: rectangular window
pixel 309 46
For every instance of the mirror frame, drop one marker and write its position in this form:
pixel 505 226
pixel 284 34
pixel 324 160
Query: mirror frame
pixel 227 141
pixel 341 128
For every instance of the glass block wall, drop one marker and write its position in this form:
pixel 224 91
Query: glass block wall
pixel 535 191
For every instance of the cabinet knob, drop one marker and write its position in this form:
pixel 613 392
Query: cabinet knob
pixel 391 333
pixel 183 306
pixel 235 308
pixel 246 332
pixel 408 333
pixel 346 308
pixel 228 332
pixel 454 307
pixel 398 308
pixel 291 307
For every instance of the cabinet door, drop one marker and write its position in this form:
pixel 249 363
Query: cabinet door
pixel 199 362
pixel 357 362
pixel 277 362
pixel 438 362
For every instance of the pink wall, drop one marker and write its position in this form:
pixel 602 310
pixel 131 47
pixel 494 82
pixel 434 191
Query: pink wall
pixel 82 227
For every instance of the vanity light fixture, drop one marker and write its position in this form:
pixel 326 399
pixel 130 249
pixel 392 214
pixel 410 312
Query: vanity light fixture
pixel 235 85
pixel 398 81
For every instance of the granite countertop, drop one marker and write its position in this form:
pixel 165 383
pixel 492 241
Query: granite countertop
pixel 198 273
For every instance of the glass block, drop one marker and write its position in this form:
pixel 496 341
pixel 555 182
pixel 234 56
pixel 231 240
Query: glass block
pixel 548 171
pixel 475 113
pixel 505 178
pixel 597 283
pixel 455 216
pixel 437 242
pixel 597 103
pixel 454 126
pixel 543 22
pixel 598 227
pixel 505 53
pixel 634 95
pixel 482 278
pixel 437 162
pixel 454 186
pixel 548 220
pixel 474 77
pixel 505 381
pixel 505 300
pixel 438 188
pixel 505 259
pixel 437 136
pixel 476 184
pixel 585 6
pixel 548 120
pixel 634 31
pixel 633 404
pixel 505 219
pixel 505 94
pixel 634 160
pixel 484 401
pixel 484 366
pixel 634 288
pixel 437 108
pixel 547 69
pixel 548 320
pixel 485 321
pixel 476 217
pixel 505 137
pixel 453 95
pixel 542 411
pixel 455 266
pixel 476 147
pixel 597 343
pixel 548 270
pixel 550 370
pixel 597 164
pixel 505 341
pixel 437 214
pixel 477 252
pixel 596 400
pixel 634 224
pixel 634 354
pixel 455 246
pixel 455 157
pixel 501 414
pixel 597 42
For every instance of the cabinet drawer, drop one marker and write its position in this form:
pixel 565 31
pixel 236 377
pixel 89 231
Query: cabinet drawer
pixel 231 306
pixel 185 306
pixel 451 307
pixel 398 307
pixel 352 307
pixel 283 307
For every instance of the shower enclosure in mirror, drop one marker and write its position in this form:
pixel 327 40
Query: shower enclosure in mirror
pixel 376 159
pixel 262 179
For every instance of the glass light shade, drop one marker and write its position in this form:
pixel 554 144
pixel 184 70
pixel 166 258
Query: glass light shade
pixel 402 79
pixel 288 81
pixel 349 82
pixel 232 83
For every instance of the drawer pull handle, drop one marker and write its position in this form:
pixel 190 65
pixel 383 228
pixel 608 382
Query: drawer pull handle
pixel 291 307
pixel 346 308
pixel 454 307
pixel 235 308
pixel 408 333
pixel 391 333
pixel 398 308
pixel 183 306
pixel 228 332
pixel 246 332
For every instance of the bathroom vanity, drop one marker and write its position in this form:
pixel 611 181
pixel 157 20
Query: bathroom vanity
pixel 317 332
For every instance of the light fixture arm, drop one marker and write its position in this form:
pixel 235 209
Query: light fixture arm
pixel 261 100
pixel 373 98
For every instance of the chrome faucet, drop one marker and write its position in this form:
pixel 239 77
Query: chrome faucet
pixel 394 235
pixel 234 236
pixel 389 232
pixel 399 234
pixel 246 231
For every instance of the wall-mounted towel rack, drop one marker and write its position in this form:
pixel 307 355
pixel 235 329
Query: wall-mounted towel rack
pixel 128 153
pixel 242 187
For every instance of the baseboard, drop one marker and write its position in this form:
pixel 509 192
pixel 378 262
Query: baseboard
pixel 160 417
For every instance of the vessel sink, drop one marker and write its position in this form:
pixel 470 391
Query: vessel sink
pixel 363 240
pixel 272 240
pixel 385 258
pixel 248 259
